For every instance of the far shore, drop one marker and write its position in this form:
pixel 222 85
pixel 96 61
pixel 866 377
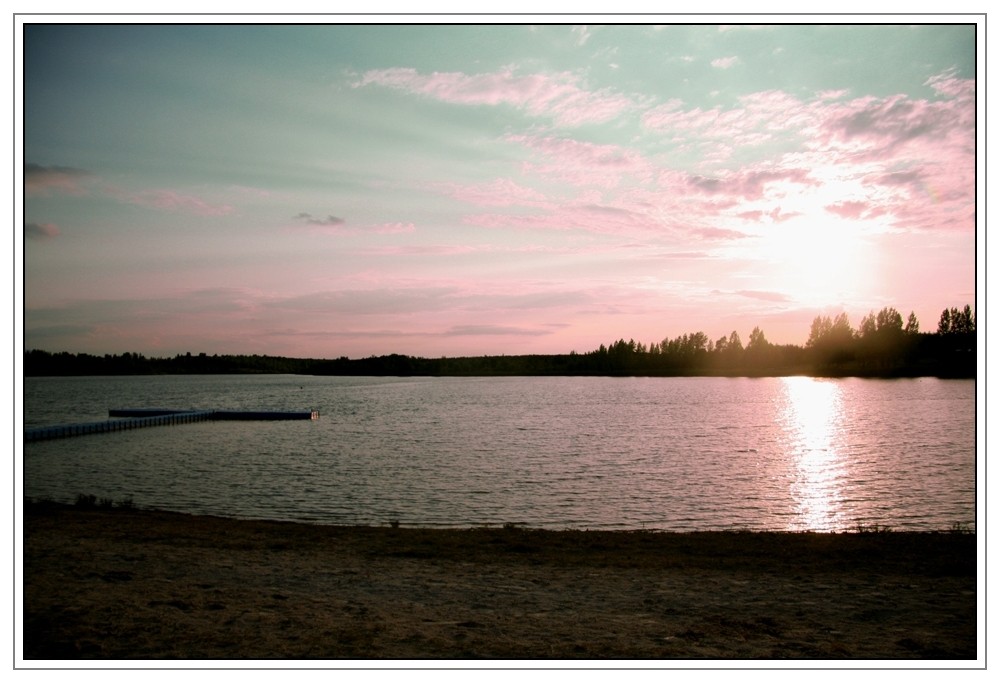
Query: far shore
pixel 110 584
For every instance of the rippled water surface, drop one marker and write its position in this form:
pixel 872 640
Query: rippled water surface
pixel 666 453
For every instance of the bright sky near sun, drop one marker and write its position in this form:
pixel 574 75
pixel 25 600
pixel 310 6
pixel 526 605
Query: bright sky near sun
pixel 325 191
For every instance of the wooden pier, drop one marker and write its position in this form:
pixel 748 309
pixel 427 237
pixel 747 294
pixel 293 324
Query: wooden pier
pixel 137 418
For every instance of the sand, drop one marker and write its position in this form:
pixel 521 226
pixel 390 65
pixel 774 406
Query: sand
pixel 112 584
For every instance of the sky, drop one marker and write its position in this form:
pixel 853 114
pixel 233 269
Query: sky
pixel 335 190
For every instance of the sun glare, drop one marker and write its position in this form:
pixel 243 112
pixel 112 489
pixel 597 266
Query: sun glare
pixel 819 260
pixel 811 412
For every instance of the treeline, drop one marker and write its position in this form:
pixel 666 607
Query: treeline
pixel 881 346
pixel 39 363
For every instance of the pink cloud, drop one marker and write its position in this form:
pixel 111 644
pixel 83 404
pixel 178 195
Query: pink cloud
pixel 499 192
pixel 314 220
pixel 764 295
pixel 397 228
pixel 633 212
pixel 892 121
pixel 751 182
pixel 421 250
pixel 583 34
pixel 725 62
pixel 494 330
pixel 948 85
pixel 775 215
pixel 852 210
pixel 752 216
pixel 169 200
pixel 557 96
pixel 331 225
pixel 899 126
pixel 908 159
pixel 667 206
pixel 584 163
pixel 45 180
pixel 42 181
pixel 759 117
pixel 591 218
pixel 719 234
pixel 40 231
pixel 831 94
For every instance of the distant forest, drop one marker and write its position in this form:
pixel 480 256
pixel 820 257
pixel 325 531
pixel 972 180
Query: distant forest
pixel 883 345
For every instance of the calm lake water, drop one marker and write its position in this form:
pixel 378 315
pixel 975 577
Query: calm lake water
pixel 579 452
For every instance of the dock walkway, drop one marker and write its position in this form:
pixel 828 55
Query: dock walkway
pixel 137 418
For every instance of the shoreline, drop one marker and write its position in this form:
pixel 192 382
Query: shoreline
pixel 113 583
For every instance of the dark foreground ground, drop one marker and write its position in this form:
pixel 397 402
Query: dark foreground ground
pixel 135 584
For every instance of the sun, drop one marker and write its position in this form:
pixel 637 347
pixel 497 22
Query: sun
pixel 817 259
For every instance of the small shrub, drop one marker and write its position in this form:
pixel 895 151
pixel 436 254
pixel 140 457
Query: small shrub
pixel 872 528
pixel 86 501
pixel 126 503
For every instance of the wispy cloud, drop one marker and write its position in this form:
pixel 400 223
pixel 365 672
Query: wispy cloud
pixel 852 210
pixel 396 228
pixel 377 301
pixel 312 220
pixel 725 62
pixel 247 317
pixel 40 231
pixel 41 181
pixel 726 28
pixel 891 121
pixel 334 225
pixel 560 97
pixel 493 331
pixel 831 94
pixel 719 234
pixel 584 163
pixel 418 250
pixel 44 180
pixel 764 296
pixel 775 215
pixel 758 119
pixel 169 200
pixel 621 192
pixel 750 183
pixel 586 217
pixel 948 84
pixel 499 192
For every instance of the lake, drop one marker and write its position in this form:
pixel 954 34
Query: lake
pixel 680 454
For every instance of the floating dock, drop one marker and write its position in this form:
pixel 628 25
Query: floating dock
pixel 137 418
pixel 217 414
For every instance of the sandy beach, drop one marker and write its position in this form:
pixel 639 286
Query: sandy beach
pixel 111 584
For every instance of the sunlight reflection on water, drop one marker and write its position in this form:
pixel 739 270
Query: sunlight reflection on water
pixel 812 412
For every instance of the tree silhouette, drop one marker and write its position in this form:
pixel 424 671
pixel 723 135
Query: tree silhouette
pixel 829 333
pixel 757 342
pixel 954 321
